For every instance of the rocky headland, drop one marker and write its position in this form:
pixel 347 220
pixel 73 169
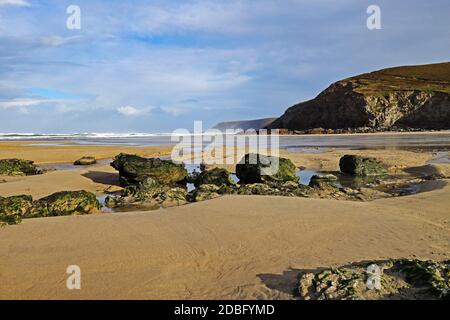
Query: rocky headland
pixel 410 98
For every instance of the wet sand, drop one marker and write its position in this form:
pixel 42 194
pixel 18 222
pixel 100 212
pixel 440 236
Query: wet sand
pixel 234 247
pixel 227 248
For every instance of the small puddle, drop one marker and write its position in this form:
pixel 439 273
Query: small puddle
pixel 441 157
pixel 349 181
pixel 69 166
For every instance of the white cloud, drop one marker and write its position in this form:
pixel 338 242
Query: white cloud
pixel 132 111
pixel 56 41
pixel 175 111
pixel 17 3
pixel 20 103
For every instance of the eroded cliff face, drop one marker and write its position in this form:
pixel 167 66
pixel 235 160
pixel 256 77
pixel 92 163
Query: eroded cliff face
pixel 404 97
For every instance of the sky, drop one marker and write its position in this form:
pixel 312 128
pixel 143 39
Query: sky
pixel 157 66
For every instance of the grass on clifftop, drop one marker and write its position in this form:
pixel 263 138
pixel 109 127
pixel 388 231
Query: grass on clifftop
pixel 427 78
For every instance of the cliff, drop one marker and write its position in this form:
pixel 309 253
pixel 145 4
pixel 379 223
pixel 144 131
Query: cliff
pixel 402 97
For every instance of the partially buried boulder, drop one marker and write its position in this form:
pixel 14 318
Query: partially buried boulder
pixel 13 208
pixel 323 181
pixel 397 279
pixel 361 166
pixel 216 176
pixel 257 168
pixel 64 203
pixel 210 191
pixel 149 193
pixel 85 161
pixel 134 169
pixel 18 167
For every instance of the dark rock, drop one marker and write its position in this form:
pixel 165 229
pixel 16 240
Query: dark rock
pixel 85 161
pixel 134 169
pixel 64 203
pixel 18 167
pixel 216 176
pixel 12 209
pixel 399 280
pixel 256 168
pixel 361 166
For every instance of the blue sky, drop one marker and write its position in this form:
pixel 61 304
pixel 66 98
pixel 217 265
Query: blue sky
pixel 155 66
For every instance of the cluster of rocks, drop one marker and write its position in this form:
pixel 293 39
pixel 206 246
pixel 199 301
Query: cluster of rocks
pixel 393 279
pixel 14 209
pixel 319 130
pixel 154 183
pixel 18 167
pixel 149 182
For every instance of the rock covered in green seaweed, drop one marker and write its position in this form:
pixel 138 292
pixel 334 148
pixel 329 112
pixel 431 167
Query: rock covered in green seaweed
pixel 85 161
pixel 209 191
pixel 18 167
pixel 257 168
pixel 64 203
pixel 323 181
pixel 216 176
pixel 134 169
pixel 12 209
pixel 149 193
pixel 398 280
pixel 361 166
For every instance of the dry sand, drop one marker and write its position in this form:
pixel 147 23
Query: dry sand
pixel 228 248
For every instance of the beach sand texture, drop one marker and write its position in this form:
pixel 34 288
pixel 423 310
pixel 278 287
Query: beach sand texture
pixel 234 247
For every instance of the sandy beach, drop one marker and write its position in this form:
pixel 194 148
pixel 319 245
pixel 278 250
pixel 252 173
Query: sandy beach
pixel 233 247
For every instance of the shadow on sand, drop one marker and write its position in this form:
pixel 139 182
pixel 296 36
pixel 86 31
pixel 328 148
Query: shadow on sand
pixel 106 178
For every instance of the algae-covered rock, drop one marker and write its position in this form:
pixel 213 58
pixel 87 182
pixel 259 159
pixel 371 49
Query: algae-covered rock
pixel 393 279
pixel 134 169
pixel 18 167
pixel 64 203
pixel 257 168
pixel 323 181
pixel 209 191
pixel 361 166
pixel 85 161
pixel 149 193
pixel 216 176
pixel 12 209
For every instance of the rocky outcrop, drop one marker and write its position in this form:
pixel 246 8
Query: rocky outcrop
pixel 216 176
pixel 416 97
pixel 148 194
pixel 257 168
pixel 134 169
pixel 361 166
pixel 85 161
pixel 14 209
pixel 64 203
pixel 323 181
pixel 18 167
pixel 394 279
